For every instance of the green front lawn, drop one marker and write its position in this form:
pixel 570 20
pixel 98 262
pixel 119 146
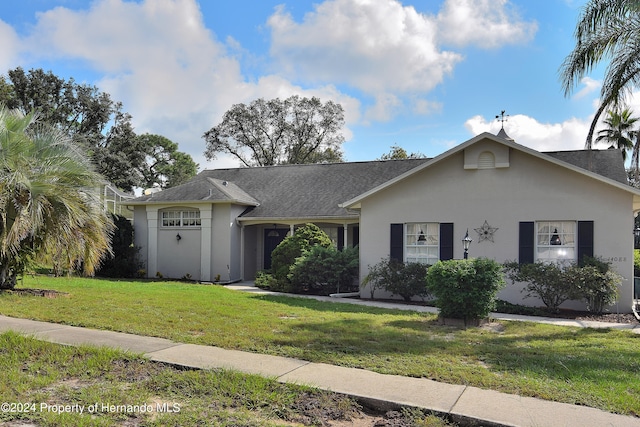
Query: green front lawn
pixel 598 368
pixel 55 385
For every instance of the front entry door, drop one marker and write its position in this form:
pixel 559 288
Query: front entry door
pixel 272 238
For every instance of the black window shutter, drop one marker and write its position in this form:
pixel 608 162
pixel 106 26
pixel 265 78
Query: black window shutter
pixel 446 241
pixel 340 238
pixel 396 249
pixel 526 243
pixel 585 239
pixel 356 236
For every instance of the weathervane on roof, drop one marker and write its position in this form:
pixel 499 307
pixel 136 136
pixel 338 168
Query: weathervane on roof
pixel 502 117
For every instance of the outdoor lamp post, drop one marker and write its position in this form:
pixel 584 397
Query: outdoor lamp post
pixel 465 244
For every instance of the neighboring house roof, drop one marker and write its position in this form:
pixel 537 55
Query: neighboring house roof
pixel 329 190
pixel 607 165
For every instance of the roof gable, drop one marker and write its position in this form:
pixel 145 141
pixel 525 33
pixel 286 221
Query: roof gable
pixel 608 166
pixel 200 189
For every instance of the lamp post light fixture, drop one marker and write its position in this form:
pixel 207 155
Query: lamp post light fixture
pixel 465 244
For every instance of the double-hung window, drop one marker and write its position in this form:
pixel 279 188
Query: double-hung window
pixel 189 218
pixel 422 242
pixel 556 241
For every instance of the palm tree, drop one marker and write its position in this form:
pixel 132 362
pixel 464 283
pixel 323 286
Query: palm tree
pixel 619 131
pixel 49 206
pixel 607 29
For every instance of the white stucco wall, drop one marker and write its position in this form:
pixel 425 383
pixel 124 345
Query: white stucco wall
pixel 178 258
pixel 529 189
pixel 226 243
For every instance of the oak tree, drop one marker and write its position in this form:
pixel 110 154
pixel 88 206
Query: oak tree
pixel 273 132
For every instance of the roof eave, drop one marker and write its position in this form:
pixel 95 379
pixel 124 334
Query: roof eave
pixel 179 202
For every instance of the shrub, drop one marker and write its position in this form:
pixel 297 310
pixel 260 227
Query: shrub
pixel 404 279
pixel 595 283
pixel 503 306
pixel 291 248
pixel 545 280
pixel 124 262
pixel 465 289
pixel 323 271
pixel 592 281
pixel 265 280
pixel 636 262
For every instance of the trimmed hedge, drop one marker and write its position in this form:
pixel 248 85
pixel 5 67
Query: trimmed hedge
pixel 592 281
pixel 398 278
pixel 465 289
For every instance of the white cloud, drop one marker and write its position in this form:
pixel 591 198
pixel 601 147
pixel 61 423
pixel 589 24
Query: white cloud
pixel 484 23
pixel 9 46
pixel 570 134
pixel 387 50
pixel 424 106
pixel 375 46
pixel 589 86
pixel 527 131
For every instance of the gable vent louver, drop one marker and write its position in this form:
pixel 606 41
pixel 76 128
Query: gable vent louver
pixel 486 160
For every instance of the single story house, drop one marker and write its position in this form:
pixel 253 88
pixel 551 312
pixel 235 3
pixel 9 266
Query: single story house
pixel 515 203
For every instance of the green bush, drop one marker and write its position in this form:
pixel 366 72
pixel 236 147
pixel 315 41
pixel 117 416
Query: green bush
pixel 293 247
pixel 465 289
pixel 545 280
pixel 323 271
pixel 124 262
pixel 595 283
pixel 636 262
pixel 404 279
pixel 554 283
pixel 265 280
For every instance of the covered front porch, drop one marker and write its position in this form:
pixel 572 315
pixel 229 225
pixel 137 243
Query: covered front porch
pixel 259 237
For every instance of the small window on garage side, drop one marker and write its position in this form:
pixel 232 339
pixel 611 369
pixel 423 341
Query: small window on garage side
pixel 190 218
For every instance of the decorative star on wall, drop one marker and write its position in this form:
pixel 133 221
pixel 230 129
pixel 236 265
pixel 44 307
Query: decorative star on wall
pixel 485 232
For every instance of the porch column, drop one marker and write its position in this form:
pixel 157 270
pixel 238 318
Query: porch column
pixel 242 252
pixel 345 234
pixel 152 241
pixel 205 244
pixel 291 230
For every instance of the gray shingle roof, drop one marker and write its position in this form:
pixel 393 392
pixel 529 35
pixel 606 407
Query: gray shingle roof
pixel 202 189
pixel 316 190
pixel 289 191
pixel 607 163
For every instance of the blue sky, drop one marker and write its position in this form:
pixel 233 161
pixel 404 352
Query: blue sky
pixel 422 74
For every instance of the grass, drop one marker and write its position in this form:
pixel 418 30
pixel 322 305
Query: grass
pixel 55 385
pixel 597 368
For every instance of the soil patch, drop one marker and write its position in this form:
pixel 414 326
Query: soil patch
pixel 46 293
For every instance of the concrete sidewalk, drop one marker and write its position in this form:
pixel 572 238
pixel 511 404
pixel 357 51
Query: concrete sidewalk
pixel 486 407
